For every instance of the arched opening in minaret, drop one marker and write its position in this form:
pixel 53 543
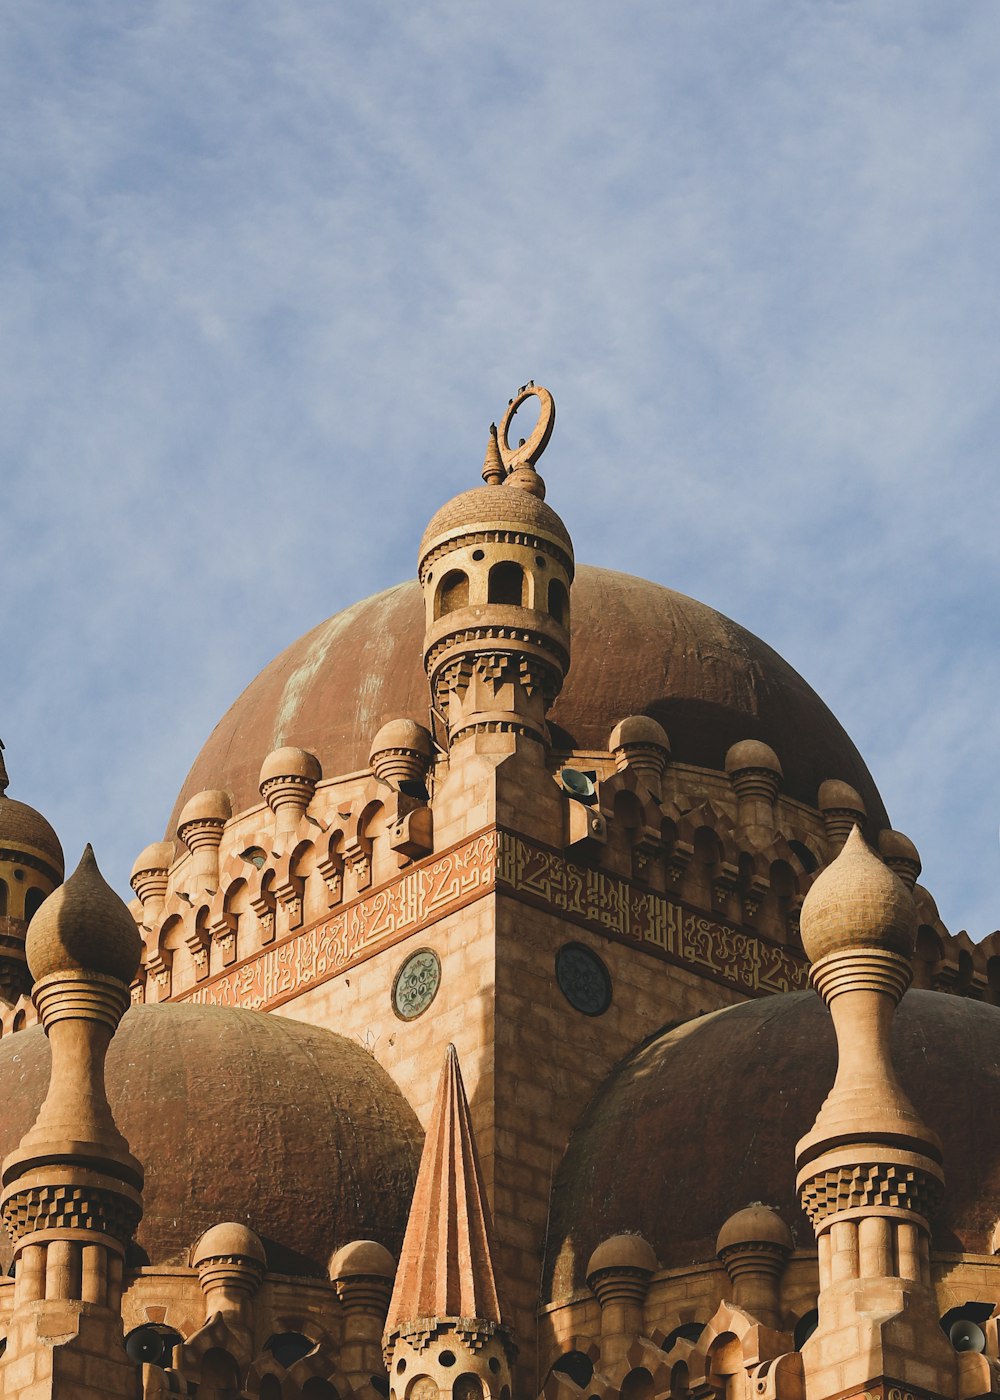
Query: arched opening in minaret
pixel 559 602
pixel 507 584
pixel 219 1374
pixel 452 593
pixel 33 899
pixel 3 897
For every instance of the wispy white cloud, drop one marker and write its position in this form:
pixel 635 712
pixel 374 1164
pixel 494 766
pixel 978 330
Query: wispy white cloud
pixel 267 278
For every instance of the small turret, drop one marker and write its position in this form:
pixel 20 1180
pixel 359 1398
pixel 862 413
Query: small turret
pixel 401 754
pixel 900 855
pixel 288 779
pixel 843 809
pixel 362 1273
pixel 640 743
pixel 618 1275
pixel 754 1245
pixel 755 773
pixel 230 1261
pixel 149 878
pixel 200 826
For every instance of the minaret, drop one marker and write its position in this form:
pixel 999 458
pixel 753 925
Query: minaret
pixel 496 566
pixel 72 1190
pixel 31 866
pixel 445 1332
pixel 869 1171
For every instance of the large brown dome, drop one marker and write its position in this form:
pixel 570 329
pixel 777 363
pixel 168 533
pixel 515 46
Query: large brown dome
pixel 638 648
pixel 248 1117
pixel 703 1120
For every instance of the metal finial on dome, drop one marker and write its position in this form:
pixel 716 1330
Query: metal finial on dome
pixel 4 780
pixel 520 460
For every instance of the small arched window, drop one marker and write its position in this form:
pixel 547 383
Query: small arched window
pixel 288 1347
pixel 318 1389
pixel 3 897
pixel 637 1385
pixel 507 584
pixel 559 602
pixel 452 594
pixel 577 1365
pixel 33 898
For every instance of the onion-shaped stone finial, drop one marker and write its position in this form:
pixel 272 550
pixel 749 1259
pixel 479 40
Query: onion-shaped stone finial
pixel 83 926
pixel 857 902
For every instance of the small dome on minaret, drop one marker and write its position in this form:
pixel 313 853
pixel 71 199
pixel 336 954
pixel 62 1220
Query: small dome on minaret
pixel 25 831
pixel 31 867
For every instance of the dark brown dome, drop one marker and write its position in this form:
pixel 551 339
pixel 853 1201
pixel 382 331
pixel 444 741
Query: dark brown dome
pixel 638 648
pixel 248 1117
pixel 709 1115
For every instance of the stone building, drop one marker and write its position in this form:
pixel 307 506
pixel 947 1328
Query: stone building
pixel 460 1039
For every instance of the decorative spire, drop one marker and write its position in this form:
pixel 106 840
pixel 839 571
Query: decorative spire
pixel 4 780
pixel 494 471
pixel 446 1265
pixel 445 1306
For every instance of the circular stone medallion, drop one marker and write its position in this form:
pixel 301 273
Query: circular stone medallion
pixel 416 984
pixel 583 979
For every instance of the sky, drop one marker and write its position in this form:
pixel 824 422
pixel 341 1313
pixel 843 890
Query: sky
pixel 267 272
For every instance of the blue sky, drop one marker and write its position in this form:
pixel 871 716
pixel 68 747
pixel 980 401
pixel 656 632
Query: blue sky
pixel 269 271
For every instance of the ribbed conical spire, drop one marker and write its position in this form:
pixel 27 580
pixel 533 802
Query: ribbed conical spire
pixel 446 1265
pixel 494 471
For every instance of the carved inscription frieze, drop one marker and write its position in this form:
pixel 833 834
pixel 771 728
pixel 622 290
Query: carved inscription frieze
pixel 427 892
pixel 612 905
pixel 313 955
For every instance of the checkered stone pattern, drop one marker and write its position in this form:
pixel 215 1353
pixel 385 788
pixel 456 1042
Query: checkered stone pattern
pixel 870 1185
pixel 87 1208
